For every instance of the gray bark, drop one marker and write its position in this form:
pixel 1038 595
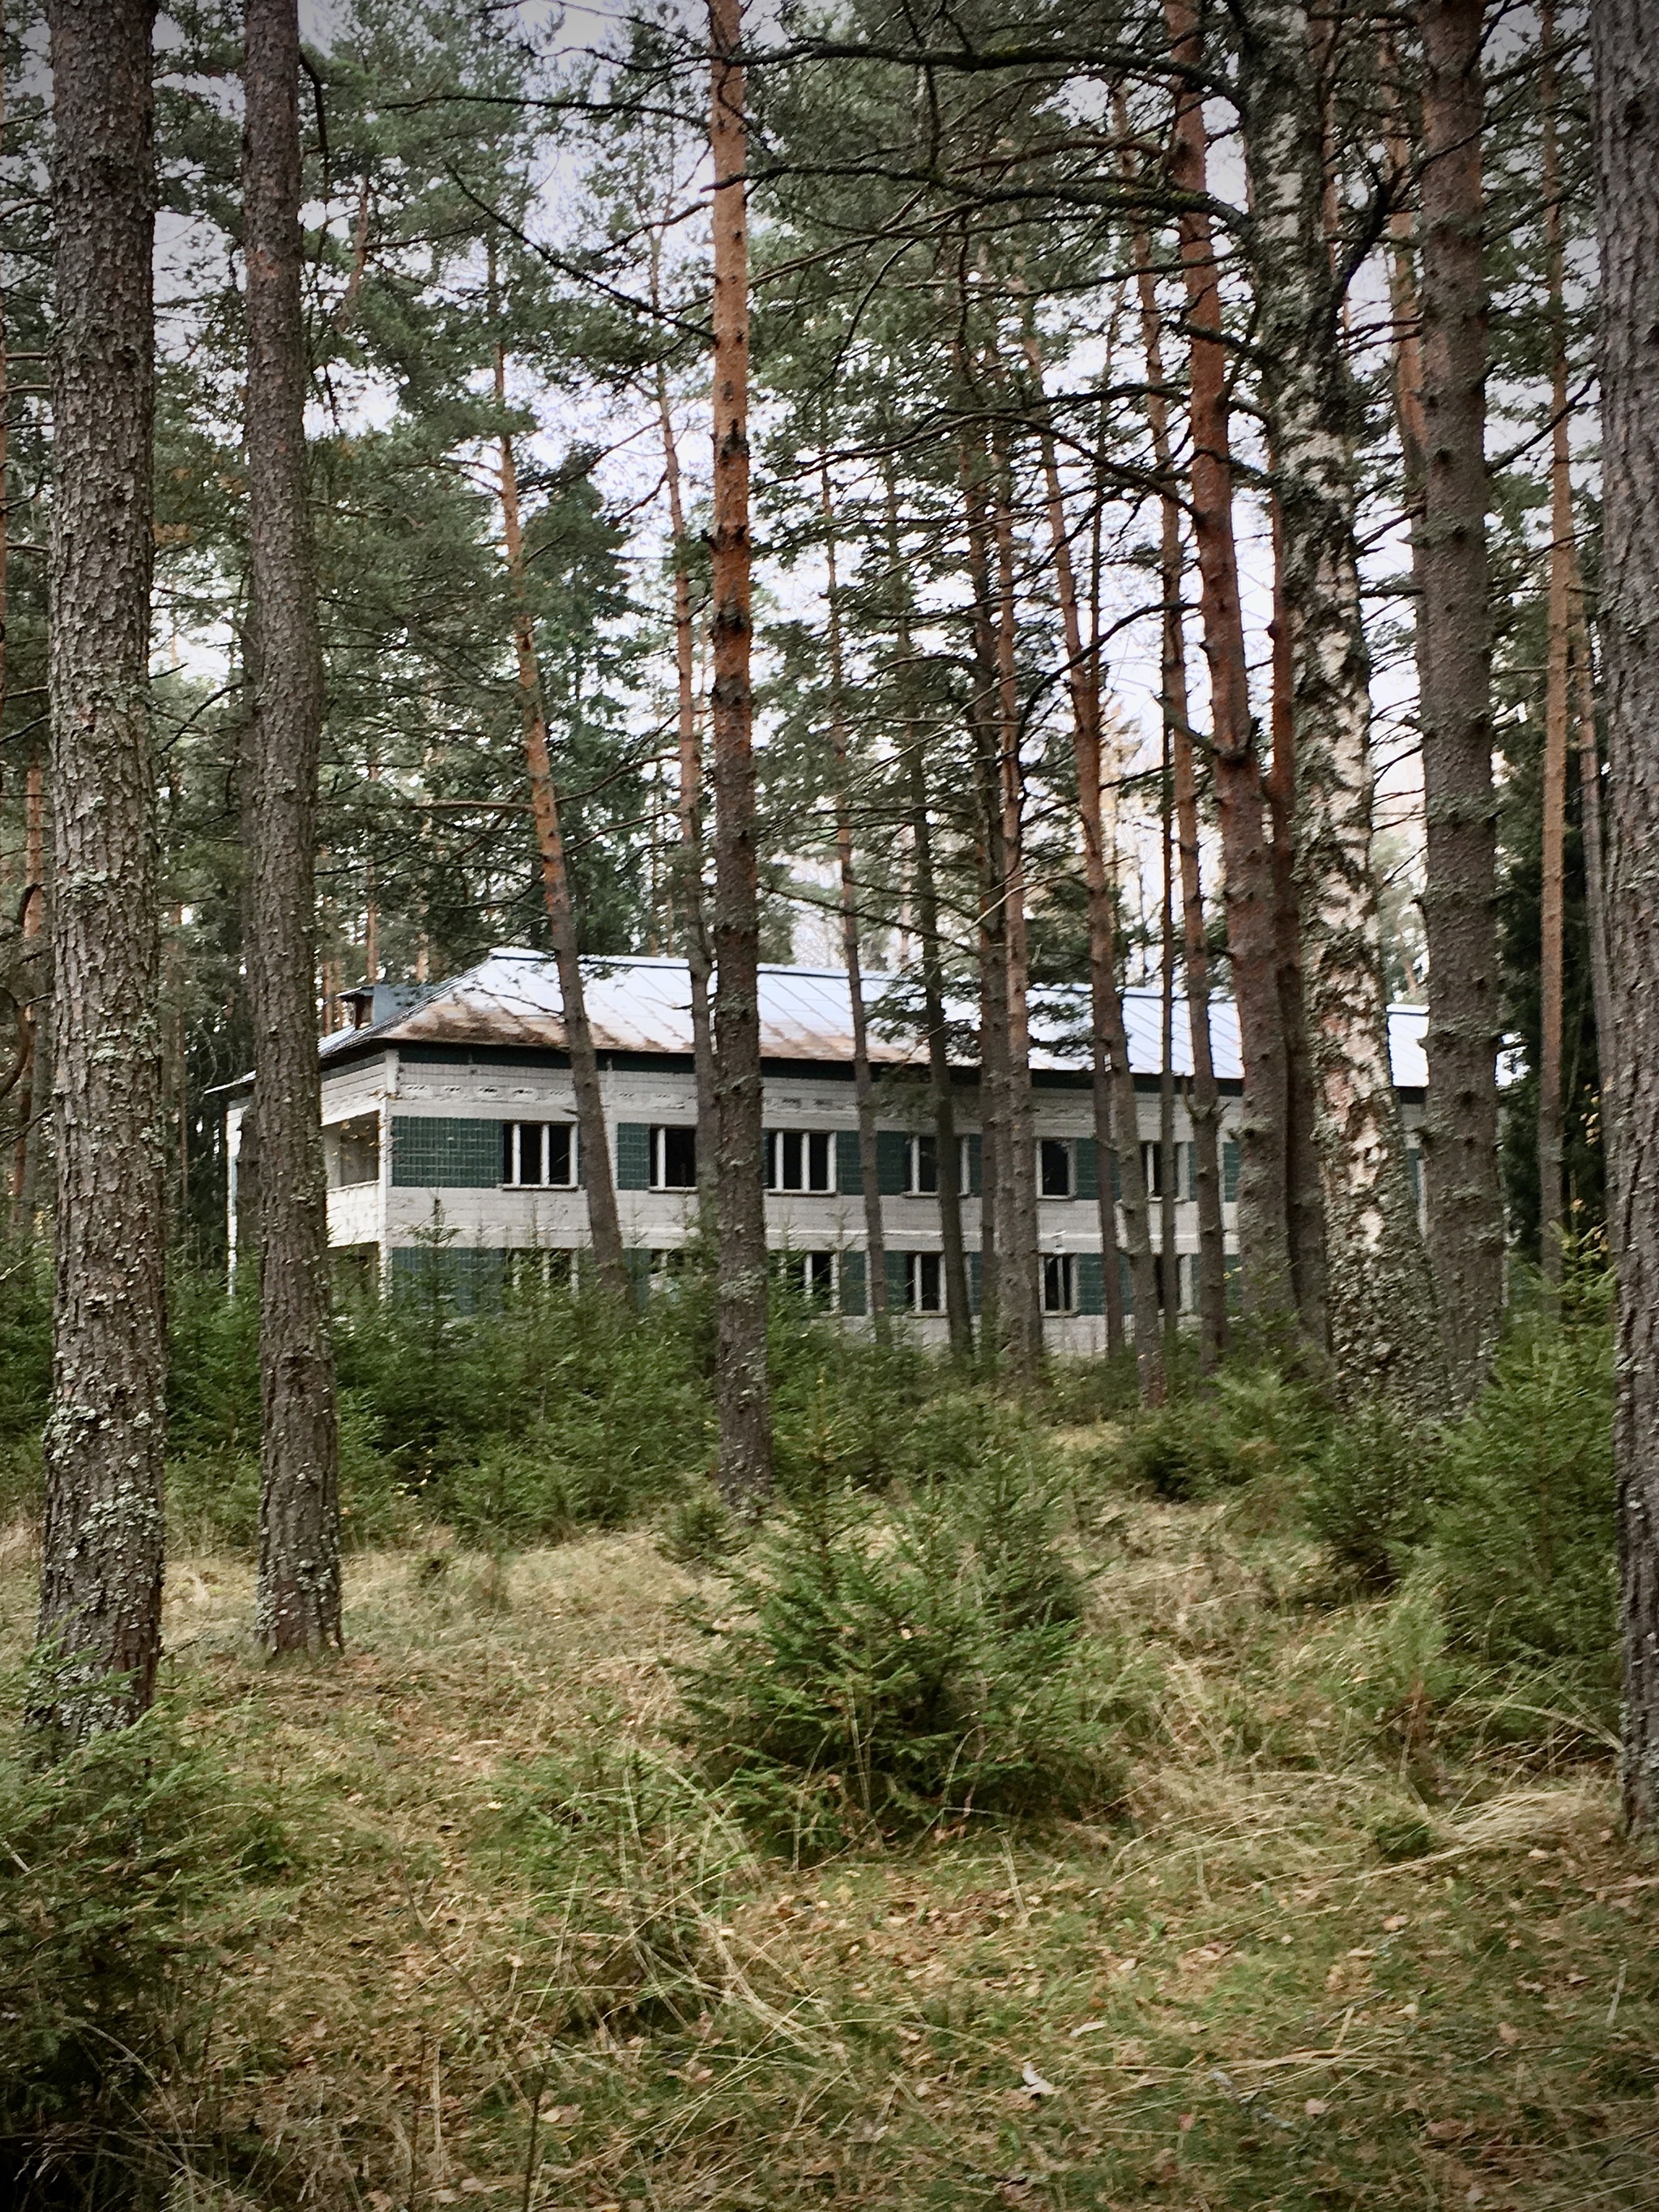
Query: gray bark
pixel 102 1534
pixel 297 1603
pixel 1625 44
pixel 1383 1333
pixel 741 1381
pixel 1460 1135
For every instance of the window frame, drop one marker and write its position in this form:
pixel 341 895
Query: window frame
pixel 513 1156
pixel 1064 1265
pixel 807 1140
pixel 1067 1147
pixel 364 1132
pixel 915 1271
pixel 912 1149
pixel 660 1131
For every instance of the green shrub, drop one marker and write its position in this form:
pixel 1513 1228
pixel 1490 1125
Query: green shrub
pixel 1523 1538
pixel 889 1674
pixel 114 1863
pixel 1368 1492
pixel 1250 1419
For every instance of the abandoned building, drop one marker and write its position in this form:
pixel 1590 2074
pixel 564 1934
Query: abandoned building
pixel 450 1138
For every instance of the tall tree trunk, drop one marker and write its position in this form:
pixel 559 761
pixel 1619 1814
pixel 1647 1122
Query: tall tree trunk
pixel 958 1310
pixel 102 1534
pixel 1083 684
pixel 745 1426
pixel 1169 1185
pixel 1383 1329
pixel 297 1604
pixel 1552 1210
pixel 1179 813
pixel 699 959
pixel 1589 823
pixel 1022 1283
pixel 1453 617
pixel 1253 946
pixel 34 905
pixel 1305 1195
pixel 1623 39
pixel 592 1138
pixel 864 1089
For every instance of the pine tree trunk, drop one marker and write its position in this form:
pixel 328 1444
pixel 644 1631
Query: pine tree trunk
pixel 1383 1330
pixel 1453 614
pixel 864 1089
pixel 958 1310
pixel 741 1385
pixel 1083 682
pixel 958 1305
pixel 1022 1283
pixel 699 960
pixel 297 1605
pixel 102 1534
pixel 1551 1210
pixel 592 1137
pixel 1624 41
pixel 34 904
pixel 1590 823
pixel 1252 948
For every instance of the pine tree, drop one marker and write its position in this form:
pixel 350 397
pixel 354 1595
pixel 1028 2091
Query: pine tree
pixel 102 1534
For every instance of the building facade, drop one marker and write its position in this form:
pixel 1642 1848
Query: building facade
pixel 452 1151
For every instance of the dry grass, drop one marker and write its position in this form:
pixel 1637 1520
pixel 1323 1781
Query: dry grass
pixel 1229 1998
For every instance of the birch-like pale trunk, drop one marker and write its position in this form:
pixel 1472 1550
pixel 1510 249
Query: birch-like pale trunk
pixel 1384 1337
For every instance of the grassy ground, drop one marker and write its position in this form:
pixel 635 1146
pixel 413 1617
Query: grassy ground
pixel 1333 1949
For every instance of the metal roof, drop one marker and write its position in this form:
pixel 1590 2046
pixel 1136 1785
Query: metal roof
pixel 637 1005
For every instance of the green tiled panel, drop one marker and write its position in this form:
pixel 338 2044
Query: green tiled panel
pixel 632 1156
pixel 1090 1284
pixel 892 1163
pixel 465 1277
pixel 895 1284
pixel 975 1165
pixel 849 1176
pixel 852 1282
pixel 1229 1167
pixel 446 1153
pixel 1088 1169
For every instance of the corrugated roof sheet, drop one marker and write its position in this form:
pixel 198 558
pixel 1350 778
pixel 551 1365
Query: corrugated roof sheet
pixel 644 1005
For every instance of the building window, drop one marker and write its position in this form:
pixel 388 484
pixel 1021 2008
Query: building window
pixel 800 1159
pixel 538 1155
pixel 351 1151
pixel 924 1282
pixel 1057 1167
pixel 924 1167
pixel 813 1275
pixel 674 1158
pixel 1058 1283
pixel 1152 1167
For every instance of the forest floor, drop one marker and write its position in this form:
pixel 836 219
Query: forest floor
pixel 1328 1953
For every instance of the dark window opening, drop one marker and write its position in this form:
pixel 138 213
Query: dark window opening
pixel 538 1155
pixel 1058 1283
pixel 351 1151
pixel 800 1159
pixel 924 1282
pixel 1058 1168
pixel 674 1158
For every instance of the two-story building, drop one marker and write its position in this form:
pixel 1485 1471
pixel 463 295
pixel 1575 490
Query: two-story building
pixel 451 1144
